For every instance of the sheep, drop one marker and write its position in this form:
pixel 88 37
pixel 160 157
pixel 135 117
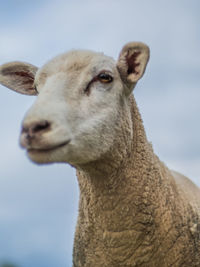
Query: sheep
pixel 133 210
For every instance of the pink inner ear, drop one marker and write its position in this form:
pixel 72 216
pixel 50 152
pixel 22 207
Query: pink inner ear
pixel 23 74
pixel 131 61
pixel 27 77
pixel 17 73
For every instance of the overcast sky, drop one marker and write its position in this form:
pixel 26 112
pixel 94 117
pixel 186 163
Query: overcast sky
pixel 38 204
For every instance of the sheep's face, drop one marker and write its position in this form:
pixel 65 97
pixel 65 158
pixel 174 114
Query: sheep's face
pixel 80 100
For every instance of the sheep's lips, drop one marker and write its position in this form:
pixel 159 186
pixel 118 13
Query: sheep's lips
pixel 48 149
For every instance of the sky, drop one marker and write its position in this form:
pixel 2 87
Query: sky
pixel 39 204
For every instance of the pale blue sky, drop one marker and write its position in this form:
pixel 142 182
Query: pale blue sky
pixel 38 204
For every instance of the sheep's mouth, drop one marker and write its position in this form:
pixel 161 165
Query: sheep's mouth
pixel 48 149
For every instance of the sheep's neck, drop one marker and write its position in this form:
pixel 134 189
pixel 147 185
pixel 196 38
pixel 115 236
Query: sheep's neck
pixel 129 211
pixel 123 170
pixel 114 201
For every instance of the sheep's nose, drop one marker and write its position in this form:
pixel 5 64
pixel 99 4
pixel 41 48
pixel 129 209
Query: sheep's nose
pixel 35 128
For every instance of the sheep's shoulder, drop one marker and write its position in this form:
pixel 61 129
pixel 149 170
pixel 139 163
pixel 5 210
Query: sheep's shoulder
pixel 188 189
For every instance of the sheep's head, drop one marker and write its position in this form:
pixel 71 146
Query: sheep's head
pixel 80 98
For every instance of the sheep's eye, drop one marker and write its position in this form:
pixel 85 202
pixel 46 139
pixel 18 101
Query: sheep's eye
pixel 102 77
pixel 105 78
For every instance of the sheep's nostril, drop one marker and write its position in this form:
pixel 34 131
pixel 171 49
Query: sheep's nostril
pixel 35 128
pixel 40 126
pixel 24 129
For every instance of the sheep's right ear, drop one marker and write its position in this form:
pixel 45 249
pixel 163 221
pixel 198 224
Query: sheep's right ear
pixel 19 76
pixel 132 64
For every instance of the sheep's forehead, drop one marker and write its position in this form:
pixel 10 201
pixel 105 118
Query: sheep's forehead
pixel 76 62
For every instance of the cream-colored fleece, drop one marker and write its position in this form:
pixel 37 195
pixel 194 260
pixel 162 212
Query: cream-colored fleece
pixel 132 211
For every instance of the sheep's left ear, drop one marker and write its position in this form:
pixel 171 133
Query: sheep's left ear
pixel 132 64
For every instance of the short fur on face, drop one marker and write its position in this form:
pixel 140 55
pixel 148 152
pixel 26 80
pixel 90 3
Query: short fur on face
pixel 84 110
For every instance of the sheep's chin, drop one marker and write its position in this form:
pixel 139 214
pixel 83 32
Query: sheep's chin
pixel 71 153
pixel 50 155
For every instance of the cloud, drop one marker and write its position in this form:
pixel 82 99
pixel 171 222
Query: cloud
pixel 57 26
pixel 38 214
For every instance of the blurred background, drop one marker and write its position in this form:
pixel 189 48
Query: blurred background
pixel 38 204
